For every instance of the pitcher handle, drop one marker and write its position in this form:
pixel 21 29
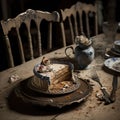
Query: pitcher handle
pixel 69 47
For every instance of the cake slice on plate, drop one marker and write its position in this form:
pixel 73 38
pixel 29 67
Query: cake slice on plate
pixel 52 75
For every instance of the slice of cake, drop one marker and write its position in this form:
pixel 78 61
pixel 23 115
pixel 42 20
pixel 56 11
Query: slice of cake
pixel 48 74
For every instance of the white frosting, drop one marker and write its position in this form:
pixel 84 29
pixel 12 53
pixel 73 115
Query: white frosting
pixel 55 68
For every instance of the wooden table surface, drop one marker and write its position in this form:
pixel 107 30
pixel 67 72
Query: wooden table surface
pixel 90 109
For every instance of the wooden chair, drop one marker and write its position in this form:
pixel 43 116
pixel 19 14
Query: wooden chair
pixel 78 19
pixel 23 37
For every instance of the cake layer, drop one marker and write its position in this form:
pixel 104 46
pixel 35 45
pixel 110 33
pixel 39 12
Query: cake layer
pixel 57 71
pixel 63 77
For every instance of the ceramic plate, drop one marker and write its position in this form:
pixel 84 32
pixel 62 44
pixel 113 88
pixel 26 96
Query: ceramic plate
pixel 114 49
pixel 113 64
pixel 115 52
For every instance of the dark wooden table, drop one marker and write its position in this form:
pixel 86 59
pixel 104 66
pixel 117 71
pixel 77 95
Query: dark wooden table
pixel 90 109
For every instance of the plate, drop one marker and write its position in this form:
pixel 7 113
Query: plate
pixel 26 95
pixel 58 89
pixel 114 52
pixel 117 45
pixel 113 64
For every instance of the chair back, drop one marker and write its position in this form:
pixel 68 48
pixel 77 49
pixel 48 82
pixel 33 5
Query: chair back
pixel 81 18
pixel 23 35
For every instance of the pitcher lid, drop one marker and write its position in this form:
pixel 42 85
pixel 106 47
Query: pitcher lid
pixel 82 39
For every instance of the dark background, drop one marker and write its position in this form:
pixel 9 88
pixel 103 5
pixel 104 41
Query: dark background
pixel 14 7
pixel 11 8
